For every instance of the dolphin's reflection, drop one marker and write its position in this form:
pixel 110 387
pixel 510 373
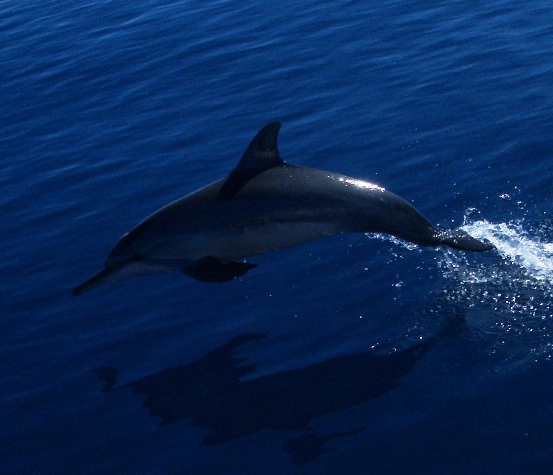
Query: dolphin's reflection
pixel 210 393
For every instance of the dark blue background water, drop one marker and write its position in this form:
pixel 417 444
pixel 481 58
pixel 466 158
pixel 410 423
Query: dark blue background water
pixel 345 355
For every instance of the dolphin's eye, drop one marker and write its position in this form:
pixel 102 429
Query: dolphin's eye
pixel 137 257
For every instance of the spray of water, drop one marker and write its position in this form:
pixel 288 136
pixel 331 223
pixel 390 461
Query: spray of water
pixel 530 254
pixel 506 294
pixel 509 290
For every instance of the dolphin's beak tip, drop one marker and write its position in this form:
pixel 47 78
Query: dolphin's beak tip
pixel 92 282
pixel 77 291
pixel 80 289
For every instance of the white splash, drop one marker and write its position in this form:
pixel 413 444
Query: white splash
pixel 513 243
pixel 398 242
pixel 507 294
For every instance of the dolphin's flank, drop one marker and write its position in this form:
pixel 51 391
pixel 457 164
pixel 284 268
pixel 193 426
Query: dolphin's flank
pixel 263 205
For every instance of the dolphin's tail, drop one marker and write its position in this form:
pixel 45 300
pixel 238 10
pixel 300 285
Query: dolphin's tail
pixel 461 240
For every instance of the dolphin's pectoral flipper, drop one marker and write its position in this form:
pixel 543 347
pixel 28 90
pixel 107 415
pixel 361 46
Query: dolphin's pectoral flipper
pixel 261 155
pixel 209 269
pixel 461 240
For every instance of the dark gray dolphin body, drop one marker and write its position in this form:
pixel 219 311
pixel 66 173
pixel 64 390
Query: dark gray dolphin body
pixel 264 205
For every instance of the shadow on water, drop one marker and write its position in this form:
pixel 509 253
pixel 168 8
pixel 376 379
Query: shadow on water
pixel 210 392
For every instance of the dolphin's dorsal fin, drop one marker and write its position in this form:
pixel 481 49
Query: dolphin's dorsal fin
pixel 261 154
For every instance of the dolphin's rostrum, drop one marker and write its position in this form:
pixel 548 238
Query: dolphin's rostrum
pixel 265 204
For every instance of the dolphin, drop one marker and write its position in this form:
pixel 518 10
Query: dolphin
pixel 263 205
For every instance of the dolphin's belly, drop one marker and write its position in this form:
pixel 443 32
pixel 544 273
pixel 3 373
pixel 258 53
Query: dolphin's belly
pixel 243 233
pixel 252 240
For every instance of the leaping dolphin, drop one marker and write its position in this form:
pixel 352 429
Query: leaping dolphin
pixel 265 204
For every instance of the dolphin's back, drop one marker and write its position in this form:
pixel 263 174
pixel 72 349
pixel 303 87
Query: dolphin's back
pixel 346 204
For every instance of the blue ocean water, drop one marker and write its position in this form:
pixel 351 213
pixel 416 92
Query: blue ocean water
pixel 352 354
